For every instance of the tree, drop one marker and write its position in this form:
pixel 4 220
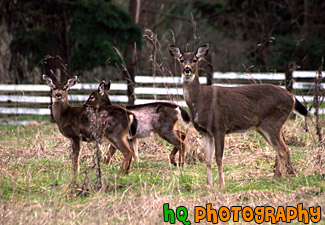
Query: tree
pixel 131 53
pixel 82 32
pixel 261 35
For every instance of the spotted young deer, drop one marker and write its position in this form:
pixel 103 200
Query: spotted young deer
pixel 217 111
pixel 83 124
pixel 157 117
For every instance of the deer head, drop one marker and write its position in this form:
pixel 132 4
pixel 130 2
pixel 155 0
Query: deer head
pixel 59 90
pixel 99 97
pixel 189 60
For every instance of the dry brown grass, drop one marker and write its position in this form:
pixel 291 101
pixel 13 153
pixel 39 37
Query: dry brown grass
pixel 146 209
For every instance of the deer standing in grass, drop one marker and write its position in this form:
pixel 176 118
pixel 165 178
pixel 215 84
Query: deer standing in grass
pixel 82 124
pixel 157 117
pixel 217 111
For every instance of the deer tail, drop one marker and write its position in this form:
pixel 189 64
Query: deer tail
pixel 300 108
pixel 133 126
pixel 184 115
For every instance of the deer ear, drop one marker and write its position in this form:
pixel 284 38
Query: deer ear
pixel 102 88
pixel 202 51
pixel 71 82
pixel 175 51
pixel 108 86
pixel 48 81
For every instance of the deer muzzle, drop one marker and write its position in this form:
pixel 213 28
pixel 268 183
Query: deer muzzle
pixel 58 96
pixel 187 70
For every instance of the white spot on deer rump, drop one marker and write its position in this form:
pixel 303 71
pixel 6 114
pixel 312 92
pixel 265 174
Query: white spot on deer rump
pixel 144 118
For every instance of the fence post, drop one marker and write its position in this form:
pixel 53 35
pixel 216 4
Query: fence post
pixel 289 68
pixel 129 77
pixel 318 101
pixel 209 69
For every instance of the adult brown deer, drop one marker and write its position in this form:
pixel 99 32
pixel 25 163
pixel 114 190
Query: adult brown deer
pixel 86 124
pixel 157 117
pixel 217 111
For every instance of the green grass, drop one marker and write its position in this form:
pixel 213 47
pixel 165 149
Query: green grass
pixel 36 179
pixel 21 131
pixel 35 176
pixel 27 118
pixel 284 185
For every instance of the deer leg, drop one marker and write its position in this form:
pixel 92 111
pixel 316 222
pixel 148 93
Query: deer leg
pixel 181 135
pixel 288 163
pixel 111 151
pixel 172 156
pixel 122 145
pixel 171 136
pixel 283 156
pixel 268 141
pixel 209 146
pixel 134 144
pixel 219 148
pixel 75 142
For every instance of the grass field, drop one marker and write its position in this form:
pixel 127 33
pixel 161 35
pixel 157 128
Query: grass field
pixel 36 188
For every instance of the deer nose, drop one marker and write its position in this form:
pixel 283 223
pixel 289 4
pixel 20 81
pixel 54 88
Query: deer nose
pixel 58 95
pixel 187 70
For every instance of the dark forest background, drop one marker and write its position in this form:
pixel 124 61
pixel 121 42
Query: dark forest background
pixel 99 39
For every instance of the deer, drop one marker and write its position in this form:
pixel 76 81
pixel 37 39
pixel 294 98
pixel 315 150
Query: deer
pixel 153 118
pixel 112 123
pixel 216 111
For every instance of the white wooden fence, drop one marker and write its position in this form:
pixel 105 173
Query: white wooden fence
pixel 34 99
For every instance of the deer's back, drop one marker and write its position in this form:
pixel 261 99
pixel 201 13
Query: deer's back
pixel 114 119
pixel 154 116
pixel 92 123
pixel 236 109
pixel 261 100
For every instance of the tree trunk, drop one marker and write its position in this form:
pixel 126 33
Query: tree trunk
pixel 137 13
pixel 306 14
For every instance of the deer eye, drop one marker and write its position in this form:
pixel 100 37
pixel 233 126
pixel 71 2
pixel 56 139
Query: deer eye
pixel 194 60
pixel 64 89
pixel 54 89
pixel 182 60
pixel 91 97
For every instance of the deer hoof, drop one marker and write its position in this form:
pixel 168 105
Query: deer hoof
pixel 277 174
pixel 173 163
pixel 292 172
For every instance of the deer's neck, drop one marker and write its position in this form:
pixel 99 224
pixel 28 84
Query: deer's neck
pixel 201 104
pixel 59 107
pixel 192 92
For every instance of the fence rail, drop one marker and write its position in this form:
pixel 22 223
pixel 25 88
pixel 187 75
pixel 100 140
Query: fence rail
pixel 34 99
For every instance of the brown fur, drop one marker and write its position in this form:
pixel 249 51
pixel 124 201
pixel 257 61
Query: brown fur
pixel 86 124
pixel 158 117
pixel 217 111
